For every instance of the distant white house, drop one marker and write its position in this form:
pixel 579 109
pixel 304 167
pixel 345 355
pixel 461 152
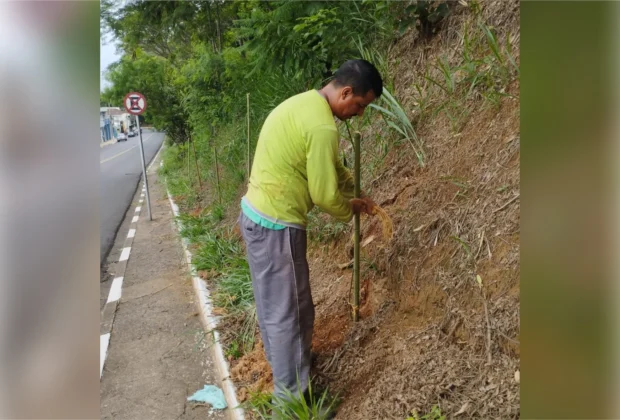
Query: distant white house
pixel 121 120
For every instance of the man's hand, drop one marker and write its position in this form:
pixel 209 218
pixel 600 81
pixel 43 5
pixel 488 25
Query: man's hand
pixel 362 205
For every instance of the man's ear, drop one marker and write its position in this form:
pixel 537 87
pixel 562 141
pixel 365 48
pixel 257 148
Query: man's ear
pixel 346 92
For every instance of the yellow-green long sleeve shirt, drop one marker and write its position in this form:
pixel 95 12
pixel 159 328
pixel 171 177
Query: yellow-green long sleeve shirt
pixel 296 164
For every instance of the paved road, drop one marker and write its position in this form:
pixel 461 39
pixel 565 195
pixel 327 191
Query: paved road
pixel 121 171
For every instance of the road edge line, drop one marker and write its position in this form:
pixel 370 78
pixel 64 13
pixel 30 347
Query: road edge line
pixel 108 314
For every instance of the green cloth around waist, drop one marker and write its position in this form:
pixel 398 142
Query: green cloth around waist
pixel 258 219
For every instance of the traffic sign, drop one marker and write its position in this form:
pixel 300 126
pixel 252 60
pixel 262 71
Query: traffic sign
pixel 135 103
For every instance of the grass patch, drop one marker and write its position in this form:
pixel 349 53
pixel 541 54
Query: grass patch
pixel 314 406
pixel 192 227
pixel 248 329
pixel 234 290
pixel 435 414
pixel 233 351
pixel 396 118
pixel 220 251
pixel 483 71
pixel 174 170
pixel 324 229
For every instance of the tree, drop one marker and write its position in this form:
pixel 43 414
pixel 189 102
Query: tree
pixel 153 77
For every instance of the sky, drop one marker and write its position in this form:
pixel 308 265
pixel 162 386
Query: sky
pixel 108 55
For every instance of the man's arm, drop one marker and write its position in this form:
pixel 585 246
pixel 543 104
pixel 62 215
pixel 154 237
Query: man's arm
pixel 324 176
pixel 345 180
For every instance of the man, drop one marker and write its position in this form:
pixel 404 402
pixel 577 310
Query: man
pixel 296 166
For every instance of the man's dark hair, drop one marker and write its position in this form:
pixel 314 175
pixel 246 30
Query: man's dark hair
pixel 361 75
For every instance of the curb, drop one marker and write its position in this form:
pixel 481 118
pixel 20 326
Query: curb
pixel 107 143
pixel 210 322
pixel 148 168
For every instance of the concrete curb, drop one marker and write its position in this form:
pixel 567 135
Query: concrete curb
pixel 210 322
pixel 148 168
pixel 107 143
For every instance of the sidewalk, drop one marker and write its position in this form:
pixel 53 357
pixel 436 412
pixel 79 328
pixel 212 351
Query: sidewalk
pixel 107 143
pixel 157 354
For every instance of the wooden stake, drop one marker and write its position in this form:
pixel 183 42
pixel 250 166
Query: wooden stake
pixel 249 155
pixel 217 176
pixel 356 243
pixel 196 159
pixel 189 168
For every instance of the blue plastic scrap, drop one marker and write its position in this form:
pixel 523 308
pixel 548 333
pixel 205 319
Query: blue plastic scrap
pixel 212 395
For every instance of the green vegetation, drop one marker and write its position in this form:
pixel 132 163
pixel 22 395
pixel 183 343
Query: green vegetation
pixel 435 414
pixel 314 406
pixel 220 253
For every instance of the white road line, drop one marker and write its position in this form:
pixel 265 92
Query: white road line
pixel 125 254
pixel 117 283
pixel 104 341
pixel 115 290
pixel 141 201
pixel 125 151
pixel 117 155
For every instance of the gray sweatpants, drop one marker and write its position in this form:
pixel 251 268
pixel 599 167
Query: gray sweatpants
pixel 281 283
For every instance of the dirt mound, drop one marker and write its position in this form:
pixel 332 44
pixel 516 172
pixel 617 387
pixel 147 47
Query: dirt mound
pixel 252 373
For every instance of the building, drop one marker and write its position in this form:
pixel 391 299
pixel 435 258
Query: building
pixel 105 125
pixel 120 121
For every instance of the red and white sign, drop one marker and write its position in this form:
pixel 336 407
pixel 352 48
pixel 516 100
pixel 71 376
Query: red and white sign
pixel 135 103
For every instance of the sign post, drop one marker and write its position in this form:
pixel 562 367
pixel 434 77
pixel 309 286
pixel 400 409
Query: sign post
pixel 135 104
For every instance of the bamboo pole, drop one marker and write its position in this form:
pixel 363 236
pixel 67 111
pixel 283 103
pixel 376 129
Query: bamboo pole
pixel 249 148
pixel 196 160
pixel 189 168
pixel 217 175
pixel 356 243
pixel 219 32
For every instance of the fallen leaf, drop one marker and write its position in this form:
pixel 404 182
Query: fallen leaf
pixel 462 410
pixel 479 280
pixel 368 240
pixel 419 228
pixel 345 265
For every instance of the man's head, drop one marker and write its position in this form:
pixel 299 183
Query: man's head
pixel 355 85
